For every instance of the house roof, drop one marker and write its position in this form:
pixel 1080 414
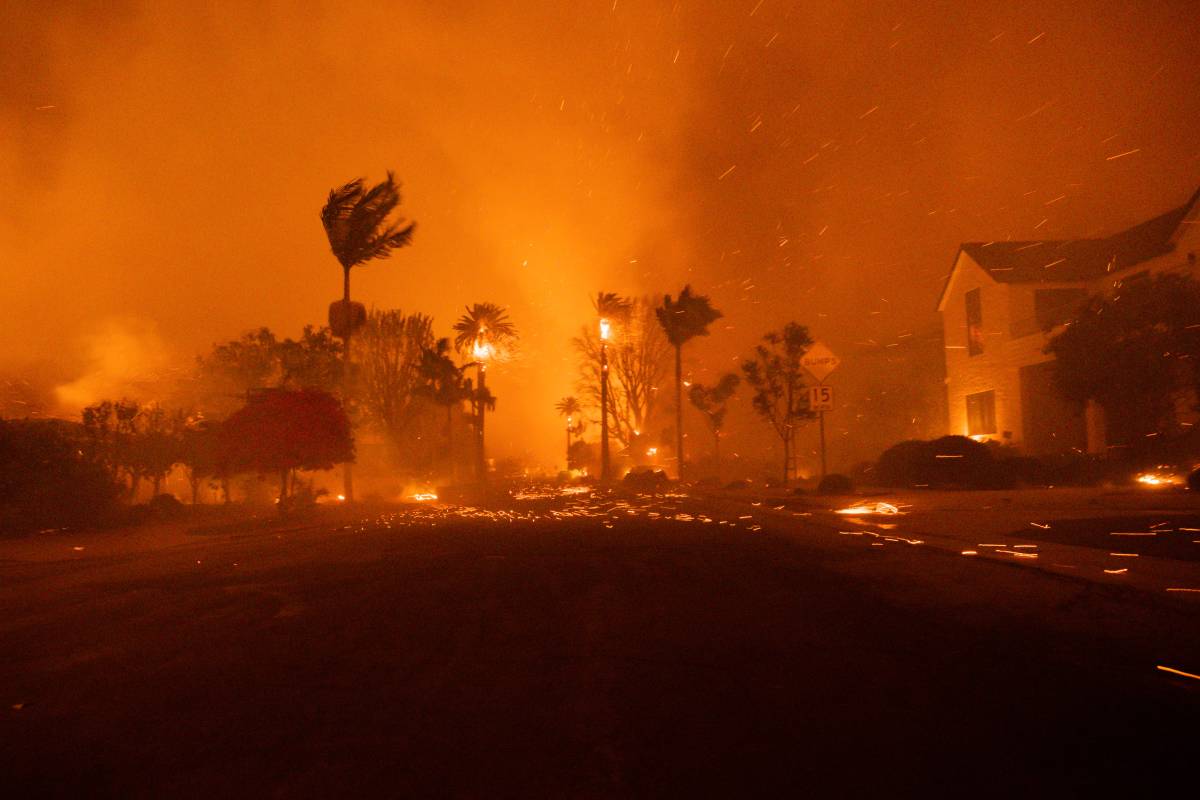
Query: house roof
pixel 1067 260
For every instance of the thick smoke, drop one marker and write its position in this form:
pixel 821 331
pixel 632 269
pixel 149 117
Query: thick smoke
pixel 166 161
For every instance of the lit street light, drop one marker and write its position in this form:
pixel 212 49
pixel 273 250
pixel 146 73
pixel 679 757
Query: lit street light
pixel 605 334
pixel 482 350
pixel 486 334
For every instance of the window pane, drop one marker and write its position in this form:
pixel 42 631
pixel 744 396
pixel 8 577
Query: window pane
pixel 981 413
pixel 974 323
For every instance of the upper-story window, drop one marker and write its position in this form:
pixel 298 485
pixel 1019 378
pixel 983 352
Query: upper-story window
pixel 974 323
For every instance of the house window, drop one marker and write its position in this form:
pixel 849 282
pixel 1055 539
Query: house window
pixel 1053 307
pixel 974 323
pixel 981 413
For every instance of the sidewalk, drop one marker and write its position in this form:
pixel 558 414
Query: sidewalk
pixel 1016 526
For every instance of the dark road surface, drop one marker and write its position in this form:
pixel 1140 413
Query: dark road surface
pixel 1162 536
pixel 579 649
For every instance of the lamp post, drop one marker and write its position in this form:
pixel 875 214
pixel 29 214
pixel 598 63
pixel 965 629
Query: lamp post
pixel 568 462
pixel 605 333
pixel 482 352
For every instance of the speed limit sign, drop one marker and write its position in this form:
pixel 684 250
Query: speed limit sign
pixel 820 398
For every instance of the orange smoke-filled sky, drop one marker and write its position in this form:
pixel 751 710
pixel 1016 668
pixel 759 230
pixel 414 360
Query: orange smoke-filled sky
pixel 164 163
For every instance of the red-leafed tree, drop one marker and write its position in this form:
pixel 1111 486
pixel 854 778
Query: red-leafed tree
pixel 281 430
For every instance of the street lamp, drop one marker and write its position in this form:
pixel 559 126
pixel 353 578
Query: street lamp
pixel 568 461
pixel 605 335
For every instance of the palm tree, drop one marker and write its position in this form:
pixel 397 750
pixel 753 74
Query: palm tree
pixel 444 385
pixel 357 226
pixel 570 407
pixel 485 334
pixel 683 320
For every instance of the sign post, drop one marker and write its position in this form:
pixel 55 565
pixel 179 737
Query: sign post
pixel 820 361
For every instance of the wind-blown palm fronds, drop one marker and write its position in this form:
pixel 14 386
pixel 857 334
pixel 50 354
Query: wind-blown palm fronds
pixel 356 222
pixel 484 325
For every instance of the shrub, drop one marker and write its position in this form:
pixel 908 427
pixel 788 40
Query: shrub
pixel 165 505
pixel 646 479
pixel 835 484
pixel 951 461
pixel 46 481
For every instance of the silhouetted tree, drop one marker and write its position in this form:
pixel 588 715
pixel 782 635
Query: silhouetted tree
pixel 200 454
pixel 484 334
pixel 389 353
pixel 777 378
pixel 111 428
pixel 357 225
pixel 311 362
pixel 359 229
pixel 280 430
pixel 1135 353
pixel 236 367
pixel 444 385
pixel 571 408
pixel 683 320
pixel 713 402
pixel 638 362
pixel 48 477
pixel 259 360
pixel 157 444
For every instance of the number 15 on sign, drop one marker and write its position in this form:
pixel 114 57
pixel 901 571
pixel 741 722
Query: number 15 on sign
pixel 820 398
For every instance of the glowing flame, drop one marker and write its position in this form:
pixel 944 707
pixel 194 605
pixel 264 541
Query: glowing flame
pixel 341 498
pixel 605 329
pixel 482 350
pixel 423 497
pixel 871 508
pixel 1159 479
pixel 651 451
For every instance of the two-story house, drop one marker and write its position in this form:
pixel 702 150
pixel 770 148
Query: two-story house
pixel 1000 300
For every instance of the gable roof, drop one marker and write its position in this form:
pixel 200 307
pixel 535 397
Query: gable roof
pixel 1075 259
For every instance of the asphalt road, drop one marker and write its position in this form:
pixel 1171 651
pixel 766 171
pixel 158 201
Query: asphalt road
pixel 577 647
pixel 1175 536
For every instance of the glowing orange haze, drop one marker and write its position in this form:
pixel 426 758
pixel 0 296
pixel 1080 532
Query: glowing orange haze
pixel 164 164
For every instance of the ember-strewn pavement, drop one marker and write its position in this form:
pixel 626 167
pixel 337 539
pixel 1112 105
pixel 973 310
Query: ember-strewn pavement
pixel 577 646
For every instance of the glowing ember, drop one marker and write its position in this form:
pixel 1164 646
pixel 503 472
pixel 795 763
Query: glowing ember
pixel 482 350
pixel 1177 672
pixel 871 508
pixel 1155 479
